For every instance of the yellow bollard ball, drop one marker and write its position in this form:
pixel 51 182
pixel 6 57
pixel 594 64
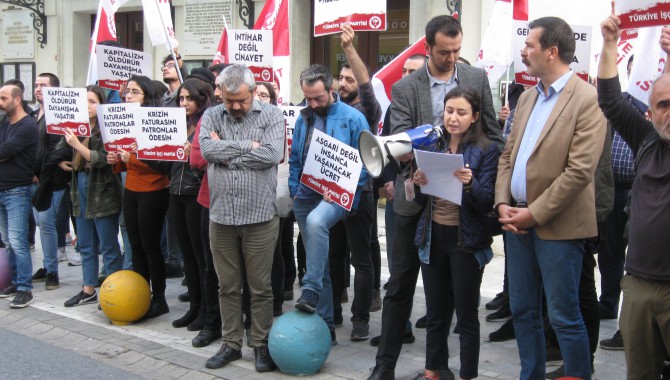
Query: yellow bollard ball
pixel 125 297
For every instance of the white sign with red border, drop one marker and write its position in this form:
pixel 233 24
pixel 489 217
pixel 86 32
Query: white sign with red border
pixel 642 13
pixel 580 62
pixel 252 48
pixel 116 65
pixel 291 114
pixel 361 15
pixel 161 133
pixel 332 166
pixel 66 108
pixel 117 126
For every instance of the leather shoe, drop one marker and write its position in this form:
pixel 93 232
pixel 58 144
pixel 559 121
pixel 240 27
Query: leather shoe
pixel 381 372
pixel 500 300
pixel 205 337
pixel 264 362
pixel 505 332
pixel 224 356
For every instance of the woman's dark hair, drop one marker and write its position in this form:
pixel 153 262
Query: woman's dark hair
pixel 271 91
pixel 201 93
pixel 475 134
pixel 99 93
pixel 152 98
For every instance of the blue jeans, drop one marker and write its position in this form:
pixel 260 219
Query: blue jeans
pixel 15 207
pixel 107 230
pixel 49 233
pixel 315 217
pixel 556 265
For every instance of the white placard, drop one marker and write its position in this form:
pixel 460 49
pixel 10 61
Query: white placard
pixel 438 169
pixel 116 65
pixel 203 23
pixel 117 126
pixel 18 35
pixel 366 15
pixel 291 114
pixel 252 48
pixel 580 62
pixel 66 108
pixel 161 133
pixel 332 166
pixel 642 13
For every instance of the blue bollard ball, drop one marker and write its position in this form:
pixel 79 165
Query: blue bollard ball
pixel 299 343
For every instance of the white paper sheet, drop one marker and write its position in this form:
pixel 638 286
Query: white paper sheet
pixel 439 171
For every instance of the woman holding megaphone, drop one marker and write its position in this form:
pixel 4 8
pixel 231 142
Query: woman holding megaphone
pixel 455 241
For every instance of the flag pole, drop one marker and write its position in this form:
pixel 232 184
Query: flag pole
pixel 94 42
pixel 167 38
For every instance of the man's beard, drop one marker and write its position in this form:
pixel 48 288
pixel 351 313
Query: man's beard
pixel 349 97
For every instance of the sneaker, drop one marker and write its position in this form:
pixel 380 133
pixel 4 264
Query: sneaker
pixel 263 361
pixel 81 299
pixel 498 302
pixel 307 301
pixel 52 281
pixel 502 315
pixel 613 343
pixel 8 291
pixel 559 373
pixel 554 356
pixel 224 356
pixel 62 255
pixel 360 331
pixel 504 333
pixel 74 260
pixel 40 275
pixel 422 322
pixel 22 299
pixel 376 301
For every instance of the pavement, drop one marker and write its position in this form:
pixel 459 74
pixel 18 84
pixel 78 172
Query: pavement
pixel 155 350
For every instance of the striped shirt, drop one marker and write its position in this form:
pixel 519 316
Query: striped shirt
pixel 242 180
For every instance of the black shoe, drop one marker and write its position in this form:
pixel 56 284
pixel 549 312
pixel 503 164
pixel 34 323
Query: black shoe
pixel 288 295
pixel 613 343
pixel 376 301
pixel 554 356
pixel 502 315
pixel 504 333
pixel 40 275
pixel 196 324
pixel 189 317
pixel 559 373
pixel 500 300
pixel 457 329
pixel 81 299
pixel 381 372
pixel 333 338
pixel 307 301
pixel 264 362
pixel 184 282
pixel 445 374
pixel 224 356
pixel 22 299
pixel 173 271
pixel 386 286
pixel 277 311
pixel 422 322
pixel 52 281
pixel 338 320
pixel 360 331
pixel 184 297
pixel 408 338
pixel 158 307
pixel 205 337
pixel 9 291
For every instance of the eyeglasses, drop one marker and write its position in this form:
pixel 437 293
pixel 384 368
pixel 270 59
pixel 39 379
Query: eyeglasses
pixel 263 95
pixel 168 66
pixel 133 92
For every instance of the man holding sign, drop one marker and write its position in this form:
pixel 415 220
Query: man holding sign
pixel 316 211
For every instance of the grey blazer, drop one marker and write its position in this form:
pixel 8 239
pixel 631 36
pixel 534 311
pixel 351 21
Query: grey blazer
pixel 411 106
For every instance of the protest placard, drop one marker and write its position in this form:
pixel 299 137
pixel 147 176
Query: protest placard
pixel 252 48
pixel 66 108
pixel 117 126
pixel 161 133
pixel 332 166
pixel 330 15
pixel 580 62
pixel 291 114
pixel 642 13
pixel 116 65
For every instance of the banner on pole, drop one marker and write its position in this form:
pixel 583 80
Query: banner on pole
pixel 332 166
pixel 159 22
pixel 117 126
pixel 161 133
pixel 642 13
pixel 66 108
pixel 368 15
pixel 116 65
pixel 252 48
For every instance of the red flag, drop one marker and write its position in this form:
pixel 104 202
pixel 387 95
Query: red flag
pixel 104 30
pixel 107 26
pixel 274 16
pixel 520 11
pixel 221 55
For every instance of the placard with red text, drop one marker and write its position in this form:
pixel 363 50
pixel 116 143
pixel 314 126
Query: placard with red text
pixel 117 126
pixel 252 48
pixel 161 133
pixel 642 13
pixel 116 65
pixel 361 15
pixel 66 108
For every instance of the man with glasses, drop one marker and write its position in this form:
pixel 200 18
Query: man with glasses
pixel 316 213
pixel 243 141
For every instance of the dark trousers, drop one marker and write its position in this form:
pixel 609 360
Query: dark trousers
pixel 400 293
pixel 287 251
pixel 63 218
pixel 185 213
pixel 144 213
pixel 376 249
pixel 301 257
pixel 358 229
pixel 210 282
pixel 612 256
pixel 279 269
